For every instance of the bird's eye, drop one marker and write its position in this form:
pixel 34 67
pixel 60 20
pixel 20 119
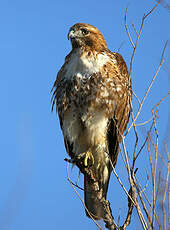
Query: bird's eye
pixel 84 31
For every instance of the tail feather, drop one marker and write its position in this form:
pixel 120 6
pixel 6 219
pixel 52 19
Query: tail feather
pixel 94 192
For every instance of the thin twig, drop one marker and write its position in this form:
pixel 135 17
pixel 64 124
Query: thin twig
pixel 152 9
pixel 146 139
pixel 169 206
pixel 140 31
pixel 127 30
pixel 136 97
pixel 145 196
pixel 135 29
pixel 136 142
pixel 76 185
pixel 120 182
pixel 131 180
pixel 118 219
pixel 153 79
pixel 121 44
pixel 161 101
pixel 165 4
pixel 160 155
pixel 145 122
pixel 143 204
pixel 146 185
pixel 130 209
pixel 155 168
pixel 164 195
pixel 143 192
pixel 123 158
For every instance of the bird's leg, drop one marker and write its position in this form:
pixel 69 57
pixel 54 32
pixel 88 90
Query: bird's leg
pixel 86 158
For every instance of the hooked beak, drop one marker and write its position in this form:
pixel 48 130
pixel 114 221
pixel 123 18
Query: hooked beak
pixel 71 34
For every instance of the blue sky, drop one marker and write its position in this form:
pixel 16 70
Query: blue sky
pixel 34 191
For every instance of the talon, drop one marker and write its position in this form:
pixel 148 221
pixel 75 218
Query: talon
pixel 76 158
pixel 72 161
pixel 85 158
pixel 88 156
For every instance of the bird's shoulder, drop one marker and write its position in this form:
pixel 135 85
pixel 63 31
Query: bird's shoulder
pixel 118 63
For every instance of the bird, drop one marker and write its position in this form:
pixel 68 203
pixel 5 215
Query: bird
pixel 92 94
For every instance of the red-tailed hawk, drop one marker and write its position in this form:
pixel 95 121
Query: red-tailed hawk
pixel 92 94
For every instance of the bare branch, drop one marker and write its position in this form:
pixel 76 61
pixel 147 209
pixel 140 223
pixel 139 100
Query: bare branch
pixel 155 167
pixel 120 182
pixel 123 158
pixel 122 43
pixel 131 180
pixel 153 79
pixel 164 196
pixel 165 192
pixel 139 33
pixel 152 9
pixel 136 97
pixel 76 185
pixel 127 30
pixel 135 29
pixel 145 122
pixel 169 206
pixel 165 4
pixel 130 209
pixel 143 204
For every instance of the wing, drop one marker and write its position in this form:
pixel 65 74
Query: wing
pixel 119 120
pixel 60 99
pixel 58 89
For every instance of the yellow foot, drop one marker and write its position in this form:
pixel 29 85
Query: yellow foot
pixel 86 158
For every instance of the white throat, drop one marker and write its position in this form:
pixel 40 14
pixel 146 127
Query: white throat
pixel 85 65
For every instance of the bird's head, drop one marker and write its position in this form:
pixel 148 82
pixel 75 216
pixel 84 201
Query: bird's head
pixel 83 35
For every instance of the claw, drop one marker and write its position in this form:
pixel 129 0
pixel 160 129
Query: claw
pixel 86 158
